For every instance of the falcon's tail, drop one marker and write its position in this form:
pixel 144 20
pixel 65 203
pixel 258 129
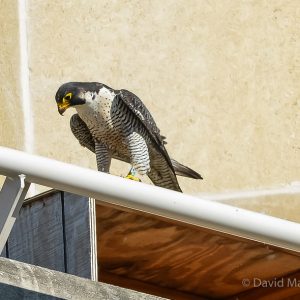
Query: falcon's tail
pixel 182 170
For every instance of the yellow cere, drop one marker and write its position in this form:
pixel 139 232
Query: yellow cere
pixel 65 101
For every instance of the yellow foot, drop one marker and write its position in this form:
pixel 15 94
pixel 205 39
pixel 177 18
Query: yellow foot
pixel 131 177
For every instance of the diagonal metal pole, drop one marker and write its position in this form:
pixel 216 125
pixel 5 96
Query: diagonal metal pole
pixel 12 196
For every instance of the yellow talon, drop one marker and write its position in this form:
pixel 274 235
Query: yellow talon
pixel 131 177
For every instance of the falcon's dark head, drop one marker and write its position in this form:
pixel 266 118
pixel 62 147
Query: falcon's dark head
pixel 70 94
pixel 76 93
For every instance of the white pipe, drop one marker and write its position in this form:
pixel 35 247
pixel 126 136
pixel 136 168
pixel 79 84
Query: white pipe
pixel 151 199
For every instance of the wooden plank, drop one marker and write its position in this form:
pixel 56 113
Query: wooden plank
pixel 183 258
pixel 63 286
pixel 78 236
pixel 146 287
pixel 37 236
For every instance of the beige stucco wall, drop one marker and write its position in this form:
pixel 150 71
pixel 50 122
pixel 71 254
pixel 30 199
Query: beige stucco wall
pixel 11 125
pixel 221 78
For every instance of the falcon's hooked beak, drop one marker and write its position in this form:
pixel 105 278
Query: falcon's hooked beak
pixel 64 104
pixel 62 107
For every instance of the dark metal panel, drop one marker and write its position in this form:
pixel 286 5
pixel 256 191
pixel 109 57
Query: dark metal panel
pixel 37 236
pixel 9 292
pixel 4 251
pixel 77 232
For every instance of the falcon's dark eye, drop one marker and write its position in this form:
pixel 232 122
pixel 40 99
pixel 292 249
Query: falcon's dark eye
pixel 68 96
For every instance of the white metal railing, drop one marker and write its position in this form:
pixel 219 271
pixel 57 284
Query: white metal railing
pixel 142 197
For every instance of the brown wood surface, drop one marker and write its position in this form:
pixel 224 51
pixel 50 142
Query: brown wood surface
pixel 199 262
pixel 146 287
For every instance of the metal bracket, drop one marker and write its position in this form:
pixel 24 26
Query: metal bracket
pixel 12 195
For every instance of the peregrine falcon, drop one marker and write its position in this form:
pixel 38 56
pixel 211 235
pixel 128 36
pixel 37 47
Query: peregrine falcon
pixel 116 124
